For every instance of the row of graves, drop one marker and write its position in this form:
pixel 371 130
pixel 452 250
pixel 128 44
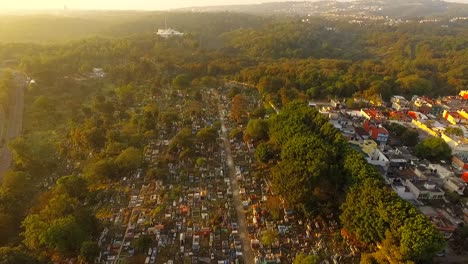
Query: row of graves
pixel 184 214
pixel 277 233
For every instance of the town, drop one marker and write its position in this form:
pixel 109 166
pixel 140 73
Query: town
pixel 383 135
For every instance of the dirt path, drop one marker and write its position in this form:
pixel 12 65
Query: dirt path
pixel 248 253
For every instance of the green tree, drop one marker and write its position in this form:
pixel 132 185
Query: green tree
pixel 433 149
pixel 239 108
pixel 64 235
pixel 74 186
pixel 88 252
pixel 410 137
pixel 236 134
pixel 100 170
pixel 257 130
pixel 269 237
pixel 265 152
pixel 34 228
pixel 182 81
pixel 10 255
pixel 143 243
pixel 207 135
pixel 129 160
pixel 453 197
pixel 305 259
pixel 420 241
pixel 454 131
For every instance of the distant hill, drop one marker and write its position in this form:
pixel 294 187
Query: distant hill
pixel 65 26
pixel 393 8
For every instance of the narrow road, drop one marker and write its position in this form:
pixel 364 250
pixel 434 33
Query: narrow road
pixel 248 253
pixel 15 122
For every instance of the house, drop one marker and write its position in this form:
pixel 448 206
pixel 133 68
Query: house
pixel 402 191
pixel 441 171
pixel 427 106
pixel 456 143
pixel 372 153
pixel 169 32
pixel 440 219
pixel 417 115
pixel 361 133
pixel 424 189
pixel 426 128
pixel 335 103
pixel 399 103
pixel 454 117
pixel 464 94
pixel 400 116
pixel 455 184
pixel 377 132
pixel 464 176
pixel 372 114
pixel 404 152
pixel 460 160
pixel 98 73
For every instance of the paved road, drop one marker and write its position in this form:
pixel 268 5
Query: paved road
pixel 15 121
pixel 248 253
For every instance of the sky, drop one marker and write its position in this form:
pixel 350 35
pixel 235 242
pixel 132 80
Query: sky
pixel 126 4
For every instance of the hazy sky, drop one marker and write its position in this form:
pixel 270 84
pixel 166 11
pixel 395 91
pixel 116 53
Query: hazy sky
pixel 125 4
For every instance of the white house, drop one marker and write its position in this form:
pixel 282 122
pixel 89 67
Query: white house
pixel 440 170
pixel 424 190
pixel 169 32
pixel 377 157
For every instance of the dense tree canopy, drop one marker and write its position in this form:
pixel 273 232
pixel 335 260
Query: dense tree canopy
pixel 434 149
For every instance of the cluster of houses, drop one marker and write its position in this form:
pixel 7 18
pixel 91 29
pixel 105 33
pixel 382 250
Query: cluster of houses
pixel 420 182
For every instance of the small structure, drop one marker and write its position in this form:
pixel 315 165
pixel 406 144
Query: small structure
pixel 98 73
pixel 169 32
pixel 424 189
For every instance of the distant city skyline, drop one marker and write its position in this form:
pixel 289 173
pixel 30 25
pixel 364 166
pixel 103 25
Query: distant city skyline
pixel 130 5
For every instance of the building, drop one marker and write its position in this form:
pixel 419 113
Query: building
pixel 460 160
pixel 417 115
pixel 361 133
pixel 399 103
pixel 169 32
pixel 464 94
pixel 377 132
pixel 402 191
pixel 424 189
pixel 456 143
pixel 372 114
pixel 427 105
pixel 372 153
pixel 454 117
pixel 98 73
pixel 440 219
pixel 440 171
pixel 455 184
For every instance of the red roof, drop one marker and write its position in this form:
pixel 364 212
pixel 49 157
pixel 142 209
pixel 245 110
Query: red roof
pixel 465 176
